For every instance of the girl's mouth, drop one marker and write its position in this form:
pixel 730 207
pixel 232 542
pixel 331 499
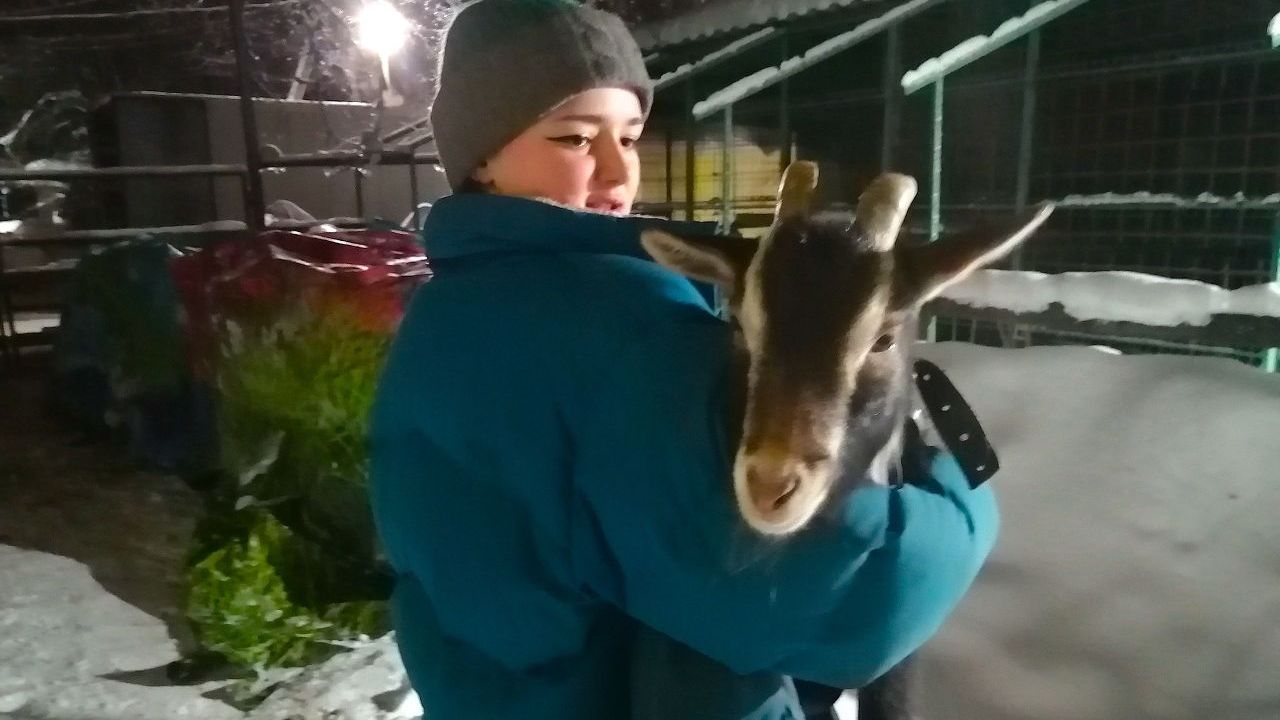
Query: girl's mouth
pixel 606 205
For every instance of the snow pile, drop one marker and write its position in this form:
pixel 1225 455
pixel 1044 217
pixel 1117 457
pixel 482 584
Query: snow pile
pixel 1136 574
pixel 975 47
pixel 1146 198
pixel 1114 296
pixel 761 79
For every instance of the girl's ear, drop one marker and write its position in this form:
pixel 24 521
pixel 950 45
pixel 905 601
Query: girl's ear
pixel 482 174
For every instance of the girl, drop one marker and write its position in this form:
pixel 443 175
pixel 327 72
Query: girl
pixel 550 466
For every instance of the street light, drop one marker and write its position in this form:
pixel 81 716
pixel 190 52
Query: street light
pixel 381 29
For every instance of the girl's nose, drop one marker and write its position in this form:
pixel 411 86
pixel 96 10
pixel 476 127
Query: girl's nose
pixel 611 162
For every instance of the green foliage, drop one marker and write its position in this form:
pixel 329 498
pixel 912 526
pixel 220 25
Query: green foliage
pixel 287 557
pixel 294 403
pixel 242 609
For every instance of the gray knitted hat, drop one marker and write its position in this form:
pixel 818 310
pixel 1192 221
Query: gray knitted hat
pixel 507 63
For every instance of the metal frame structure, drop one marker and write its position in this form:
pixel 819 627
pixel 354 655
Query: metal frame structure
pixel 1029 93
pixel 933 73
pixel 723 101
pixel 377 150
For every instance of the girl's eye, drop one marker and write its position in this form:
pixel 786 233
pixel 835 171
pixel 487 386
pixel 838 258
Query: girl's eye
pixel 577 141
pixel 629 142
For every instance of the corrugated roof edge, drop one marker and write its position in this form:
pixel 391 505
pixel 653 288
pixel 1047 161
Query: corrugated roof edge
pixel 731 15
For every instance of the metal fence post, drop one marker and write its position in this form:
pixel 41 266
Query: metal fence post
pixel 690 150
pixel 892 98
pixel 1271 360
pixel 255 206
pixel 726 179
pixel 935 186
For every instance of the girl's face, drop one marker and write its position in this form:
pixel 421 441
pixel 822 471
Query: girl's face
pixel 582 154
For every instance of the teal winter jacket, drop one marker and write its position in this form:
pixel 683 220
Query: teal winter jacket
pixel 550 481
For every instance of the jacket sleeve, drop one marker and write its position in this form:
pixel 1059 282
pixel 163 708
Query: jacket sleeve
pixel 838 603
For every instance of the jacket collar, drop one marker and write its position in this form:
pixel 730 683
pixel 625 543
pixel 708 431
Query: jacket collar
pixel 473 224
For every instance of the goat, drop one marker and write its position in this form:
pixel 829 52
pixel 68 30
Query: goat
pixel 824 309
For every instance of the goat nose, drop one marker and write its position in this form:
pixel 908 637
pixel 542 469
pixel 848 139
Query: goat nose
pixel 770 491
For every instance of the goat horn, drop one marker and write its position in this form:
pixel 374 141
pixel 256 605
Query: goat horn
pixel 882 208
pixel 796 191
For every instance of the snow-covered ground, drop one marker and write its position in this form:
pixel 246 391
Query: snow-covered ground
pixel 1137 576
pixel 91 557
pixel 1138 569
pixel 70 649
pixel 64 635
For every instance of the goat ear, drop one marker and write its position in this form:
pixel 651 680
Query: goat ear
pixel 714 259
pixel 923 271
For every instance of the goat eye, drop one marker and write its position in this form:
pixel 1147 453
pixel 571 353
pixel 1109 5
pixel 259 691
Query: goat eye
pixel 884 342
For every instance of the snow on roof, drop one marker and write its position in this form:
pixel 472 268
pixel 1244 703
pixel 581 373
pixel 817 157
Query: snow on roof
pixel 1115 296
pixel 762 79
pixel 726 15
pixel 976 47
pixel 724 53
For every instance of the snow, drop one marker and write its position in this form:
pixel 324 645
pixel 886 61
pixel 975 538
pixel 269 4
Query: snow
pixel 63 634
pixel 846 707
pixel 1136 572
pixel 976 47
pixel 1274 31
pixel 1261 300
pixel 54 164
pixel 1237 201
pixel 346 685
pixel 1114 296
pixel 30 230
pixel 91 559
pixel 723 53
pixel 71 649
pixel 738 90
pixel 761 79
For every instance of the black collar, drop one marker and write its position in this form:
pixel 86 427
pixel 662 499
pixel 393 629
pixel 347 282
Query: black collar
pixel 956 426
